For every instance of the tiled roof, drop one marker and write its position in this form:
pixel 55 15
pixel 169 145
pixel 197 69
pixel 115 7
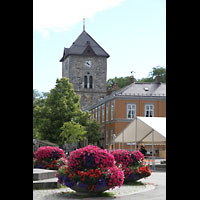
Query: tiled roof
pixel 84 41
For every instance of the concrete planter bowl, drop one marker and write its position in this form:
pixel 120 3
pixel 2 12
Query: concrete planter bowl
pixel 133 178
pixel 81 188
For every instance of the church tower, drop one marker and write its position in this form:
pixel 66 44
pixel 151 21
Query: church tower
pixel 85 64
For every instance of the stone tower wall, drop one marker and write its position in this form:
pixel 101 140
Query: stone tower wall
pixel 73 68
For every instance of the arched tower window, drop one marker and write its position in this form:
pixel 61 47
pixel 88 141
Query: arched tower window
pixel 85 81
pixel 91 82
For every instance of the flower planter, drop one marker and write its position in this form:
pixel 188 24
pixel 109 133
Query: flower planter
pixel 133 178
pixel 90 170
pixel 82 188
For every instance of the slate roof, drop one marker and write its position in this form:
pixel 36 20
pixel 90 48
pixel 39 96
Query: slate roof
pixel 136 90
pixel 143 89
pixel 82 43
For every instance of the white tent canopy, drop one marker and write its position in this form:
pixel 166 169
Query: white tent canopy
pixel 149 130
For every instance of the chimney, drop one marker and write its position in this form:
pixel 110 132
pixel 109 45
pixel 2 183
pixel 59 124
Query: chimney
pixel 109 91
pixel 131 79
pixel 157 79
pixel 115 87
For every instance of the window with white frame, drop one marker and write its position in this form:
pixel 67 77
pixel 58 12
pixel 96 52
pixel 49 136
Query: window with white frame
pixel 112 136
pixel 131 111
pixel 99 114
pixel 107 107
pixel 112 110
pixel 96 113
pixel 103 111
pixel 149 110
pixel 92 114
pixel 106 136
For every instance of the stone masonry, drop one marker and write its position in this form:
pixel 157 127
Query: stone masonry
pixel 73 67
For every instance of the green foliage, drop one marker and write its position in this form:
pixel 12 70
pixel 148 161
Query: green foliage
pixel 93 134
pixel 51 111
pixel 72 132
pixel 124 81
pixel 155 72
pixel 121 81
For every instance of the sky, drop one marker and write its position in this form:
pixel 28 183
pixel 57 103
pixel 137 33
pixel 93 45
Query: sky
pixel 132 32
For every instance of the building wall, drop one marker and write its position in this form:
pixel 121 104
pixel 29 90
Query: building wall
pixel 120 121
pixel 121 107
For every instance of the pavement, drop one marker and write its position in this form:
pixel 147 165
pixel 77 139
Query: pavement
pixel 154 189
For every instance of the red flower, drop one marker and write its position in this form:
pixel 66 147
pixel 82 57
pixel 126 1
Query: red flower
pixel 83 179
pixel 70 176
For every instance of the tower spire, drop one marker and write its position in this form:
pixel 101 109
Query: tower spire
pixel 84 24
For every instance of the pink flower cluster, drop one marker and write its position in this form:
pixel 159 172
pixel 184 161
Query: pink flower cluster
pixel 90 157
pixel 91 167
pixel 131 162
pixel 128 171
pixel 48 152
pixel 115 176
pixel 138 156
pixel 122 157
pixel 127 158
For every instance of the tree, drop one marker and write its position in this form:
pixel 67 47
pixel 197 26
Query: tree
pixel 121 82
pixel 93 134
pixel 38 102
pixel 72 132
pixel 155 72
pixel 158 71
pixel 124 81
pixel 61 105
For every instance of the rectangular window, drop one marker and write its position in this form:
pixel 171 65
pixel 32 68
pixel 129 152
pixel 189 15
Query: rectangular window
pixel 106 136
pixel 99 113
pixel 149 110
pixel 131 111
pixel 96 113
pixel 91 82
pixel 92 114
pixel 107 111
pixel 85 81
pixel 112 110
pixel 112 136
pixel 103 111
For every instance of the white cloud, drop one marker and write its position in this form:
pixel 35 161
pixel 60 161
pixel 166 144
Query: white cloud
pixel 59 15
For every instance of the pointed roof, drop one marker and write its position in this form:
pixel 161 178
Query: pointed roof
pixel 84 45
